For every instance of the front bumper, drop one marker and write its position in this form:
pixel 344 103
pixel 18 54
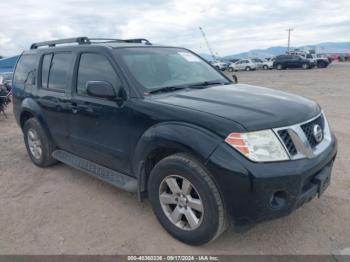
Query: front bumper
pixel 255 192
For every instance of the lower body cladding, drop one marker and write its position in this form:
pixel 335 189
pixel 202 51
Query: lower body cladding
pixel 254 192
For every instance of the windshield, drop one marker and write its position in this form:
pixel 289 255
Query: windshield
pixel 157 67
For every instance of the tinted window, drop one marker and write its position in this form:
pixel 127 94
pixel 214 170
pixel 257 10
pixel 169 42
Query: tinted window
pixel 59 71
pixel 25 70
pixel 281 57
pixel 45 70
pixel 95 67
pixel 153 67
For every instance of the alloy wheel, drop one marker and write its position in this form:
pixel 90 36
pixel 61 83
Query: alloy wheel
pixel 34 143
pixel 181 202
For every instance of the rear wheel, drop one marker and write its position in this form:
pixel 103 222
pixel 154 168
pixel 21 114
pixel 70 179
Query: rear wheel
pixel 39 146
pixel 230 69
pixel 265 67
pixel 279 67
pixel 186 200
pixel 248 68
pixel 321 64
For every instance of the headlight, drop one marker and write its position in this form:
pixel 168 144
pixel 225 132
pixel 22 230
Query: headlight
pixel 259 146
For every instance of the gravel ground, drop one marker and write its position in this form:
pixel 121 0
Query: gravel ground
pixel 60 210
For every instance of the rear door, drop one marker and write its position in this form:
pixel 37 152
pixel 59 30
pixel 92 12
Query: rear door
pixel 240 65
pixel 99 128
pixel 294 61
pixel 54 77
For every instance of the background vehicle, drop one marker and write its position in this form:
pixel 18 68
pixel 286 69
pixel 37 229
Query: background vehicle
pixel 244 64
pixel 263 63
pixel 292 61
pixel 318 61
pixel 163 123
pixel 219 65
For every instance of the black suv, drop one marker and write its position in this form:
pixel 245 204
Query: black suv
pixel 162 122
pixel 292 61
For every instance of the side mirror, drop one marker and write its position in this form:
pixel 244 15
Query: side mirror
pixel 101 89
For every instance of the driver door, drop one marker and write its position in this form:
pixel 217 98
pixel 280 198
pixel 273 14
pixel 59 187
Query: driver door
pixel 98 126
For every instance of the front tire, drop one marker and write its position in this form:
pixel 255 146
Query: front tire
pixel 305 66
pixel 186 200
pixel 279 67
pixel 230 69
pixel 248 68
pixel 265 67
pixel 39 146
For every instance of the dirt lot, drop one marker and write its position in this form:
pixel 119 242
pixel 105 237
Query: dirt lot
pixel 60 210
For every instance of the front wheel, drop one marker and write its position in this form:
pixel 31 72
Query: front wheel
pixel 265 67
pixel 248 68
pixel 230 69
pixel 305 66
pixel 186 200
pixel 279 67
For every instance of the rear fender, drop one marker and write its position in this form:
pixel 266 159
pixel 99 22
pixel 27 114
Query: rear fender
pixel 31 106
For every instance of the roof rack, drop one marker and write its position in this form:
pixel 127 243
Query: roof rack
pixel 86 40
pixel 108 40
pixel 79 40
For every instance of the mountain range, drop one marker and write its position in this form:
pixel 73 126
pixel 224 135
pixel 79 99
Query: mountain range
pixel 326 47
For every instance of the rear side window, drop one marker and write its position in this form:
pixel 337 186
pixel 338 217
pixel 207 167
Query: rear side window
pixel 45 70
pixel 95 67
pixel 55 71
pixel 25 73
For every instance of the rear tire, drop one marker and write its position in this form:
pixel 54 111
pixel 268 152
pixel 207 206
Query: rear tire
pixel 265 67
pixel 248 68
pixel 172 214
pixel 39 146
pixel 279 67
pixel 321 64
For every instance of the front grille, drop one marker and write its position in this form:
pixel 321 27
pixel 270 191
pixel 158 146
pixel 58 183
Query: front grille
pixel 288 142
pixel 308 130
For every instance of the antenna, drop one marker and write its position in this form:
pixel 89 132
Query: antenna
pixel 207 43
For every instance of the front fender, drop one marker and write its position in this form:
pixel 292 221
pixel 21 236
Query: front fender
pixel 179 136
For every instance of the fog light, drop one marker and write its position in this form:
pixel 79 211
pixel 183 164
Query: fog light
pixel 278 199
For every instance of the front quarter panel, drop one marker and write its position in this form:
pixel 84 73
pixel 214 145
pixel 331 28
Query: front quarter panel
pixel 178 136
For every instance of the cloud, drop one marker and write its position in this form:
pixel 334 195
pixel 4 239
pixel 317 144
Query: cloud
pixel 231 26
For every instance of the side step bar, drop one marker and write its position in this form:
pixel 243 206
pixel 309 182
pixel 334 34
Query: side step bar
pixel 108 175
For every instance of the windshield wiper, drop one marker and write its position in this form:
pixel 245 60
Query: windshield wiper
pixel 166 89
pixel 207 83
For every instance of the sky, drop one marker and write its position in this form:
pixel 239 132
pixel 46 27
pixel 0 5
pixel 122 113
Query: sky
pixel 231 26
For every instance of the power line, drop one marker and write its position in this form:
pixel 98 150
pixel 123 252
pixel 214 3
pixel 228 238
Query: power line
pixel 207 43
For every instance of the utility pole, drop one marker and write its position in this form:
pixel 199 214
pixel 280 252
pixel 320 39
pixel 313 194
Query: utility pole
pixel 207 43
pixel 289 30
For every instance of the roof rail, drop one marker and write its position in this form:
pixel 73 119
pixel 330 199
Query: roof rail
pixel 79 40
pixel 138 40
pixel 133 40
pixel 86 40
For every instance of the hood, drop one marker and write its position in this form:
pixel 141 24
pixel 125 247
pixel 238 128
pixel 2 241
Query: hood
pixel 253 107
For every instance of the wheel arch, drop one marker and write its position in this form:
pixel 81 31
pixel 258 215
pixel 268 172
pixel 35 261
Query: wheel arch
pixel 30 109
pixel 166 139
